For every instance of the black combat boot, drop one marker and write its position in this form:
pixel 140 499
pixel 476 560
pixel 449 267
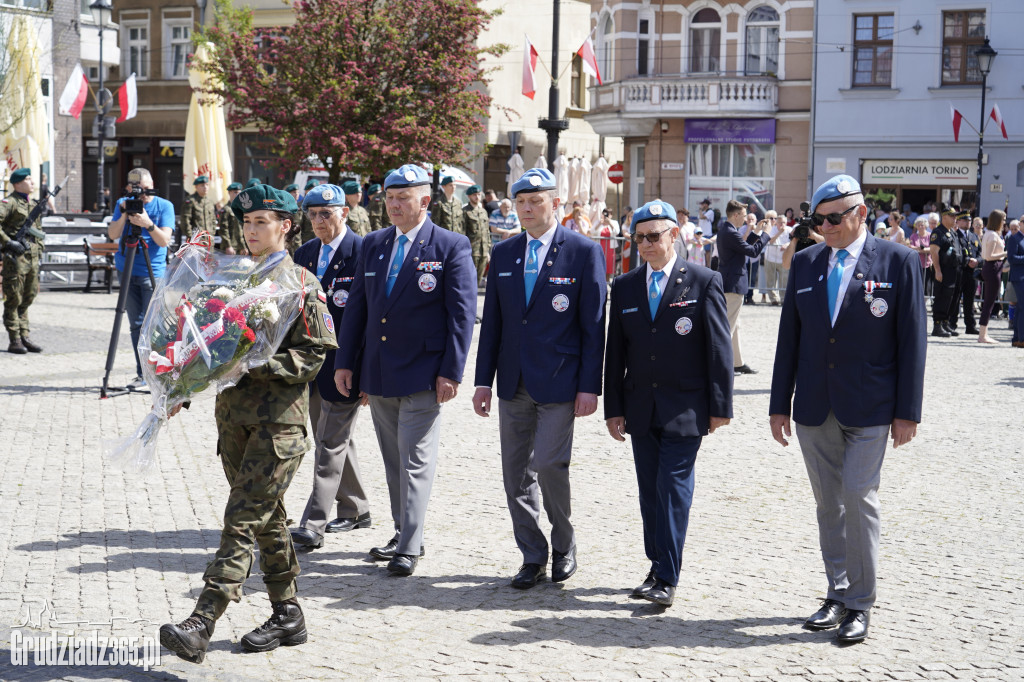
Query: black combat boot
pixel 29 346
pixel 17 347
pixel 188 639
pixel 286 626
pixel 950 330
pixel 939 329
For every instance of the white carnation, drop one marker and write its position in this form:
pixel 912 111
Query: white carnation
pixel 223 293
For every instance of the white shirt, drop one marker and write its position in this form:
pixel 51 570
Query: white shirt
pixel 668 273
pixel 853 251
pixel 774 250
pixel 545 243
pixel 334 244
pixel 705 221
pixel 411 234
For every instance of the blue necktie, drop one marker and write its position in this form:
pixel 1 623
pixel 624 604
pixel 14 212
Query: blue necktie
pixel 325 259
pixel 532 268
pixel 396 263
pixel 655 291
pixel 834 279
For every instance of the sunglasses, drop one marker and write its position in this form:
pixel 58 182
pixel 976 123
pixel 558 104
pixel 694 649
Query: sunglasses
pixel 652 237
pixel 833 218
pixel 320 215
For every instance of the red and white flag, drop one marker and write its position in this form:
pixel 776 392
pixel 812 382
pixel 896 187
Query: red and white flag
pixel 998 118
pixel 530 55
pixel 128 99
pixel 957 119
pixel 72 100
pixel 586 53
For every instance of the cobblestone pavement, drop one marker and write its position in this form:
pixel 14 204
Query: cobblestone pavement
pixel 100 545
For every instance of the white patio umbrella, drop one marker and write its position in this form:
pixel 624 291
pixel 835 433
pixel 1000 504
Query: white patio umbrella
pixel 541 162
pixel 206 137
pixel 26 133
pixel 584 181
pixel 561 173
pixel 516 168
pixel 599 179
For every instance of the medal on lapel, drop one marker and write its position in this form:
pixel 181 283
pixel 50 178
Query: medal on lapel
pixel 869 287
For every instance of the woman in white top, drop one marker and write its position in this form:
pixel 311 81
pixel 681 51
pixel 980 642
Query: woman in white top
pixel 993 251
pixel 895 229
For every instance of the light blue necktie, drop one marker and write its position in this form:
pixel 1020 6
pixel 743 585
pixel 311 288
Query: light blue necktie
pixel 396 263
pixel 655 291
pixel 325 259
pixel 532 268
pixel 834 279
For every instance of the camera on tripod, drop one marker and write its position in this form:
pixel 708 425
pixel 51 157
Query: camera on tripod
pixel 134 204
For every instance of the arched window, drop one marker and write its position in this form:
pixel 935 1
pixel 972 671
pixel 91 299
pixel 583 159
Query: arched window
pixel 705 41
pixel 762 42
pixel 604 47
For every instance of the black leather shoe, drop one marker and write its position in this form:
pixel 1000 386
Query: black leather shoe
pixel 387 552
pixel 188 639
pixel 286 626
pixel 402 564
pixel 641 590
pixel 562 566
pixel 744 369
pixel 951 330
pixel 340 525
pixel 661 593
pixel 29 346
pixel 528 576
pixel 854 627
pixel 17 347
pixel 939 330
pixel 304 538
pixel 972 331
pixel 828 616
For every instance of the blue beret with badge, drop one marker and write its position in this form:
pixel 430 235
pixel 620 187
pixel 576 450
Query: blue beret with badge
pixel 262 197
pixel 311 184
pixel 324 195
pixel 201 180
pixel 472 189
pixel 409 175
pixel 350 187
pixel 834 188
pixel 20 175
pixel 655 210
pixel 534 180
pixel 235 185
pixel 447 180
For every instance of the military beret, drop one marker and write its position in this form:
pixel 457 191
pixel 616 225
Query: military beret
pixel 834 188
pixel 409 175
pixel 949 210
pixel 291 188
pixel 534 180
pixel 311 184
pixel 655 210
pixel 447 180
pixel 253 182
pixel 235 185
pixel 324 195
pixel 473 189
pixel 262 197
pixel 351 187
pixel 201 180
pixel 373 189
pixel 20 174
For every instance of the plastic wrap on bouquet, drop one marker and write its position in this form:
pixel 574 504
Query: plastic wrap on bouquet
pixel 211 319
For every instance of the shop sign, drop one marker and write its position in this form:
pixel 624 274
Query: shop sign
pixel 730 131
pixel 907 172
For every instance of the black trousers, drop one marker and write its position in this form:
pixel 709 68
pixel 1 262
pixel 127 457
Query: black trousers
pixel 965 292
pixel 944 292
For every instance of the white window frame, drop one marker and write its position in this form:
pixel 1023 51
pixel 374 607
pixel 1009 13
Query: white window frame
pixel 606 46
pixel 705 26
pixel 648 16
pixel 127 44
pixel 169 24
pixel 764 26
pixel 20 4
pixel 637 176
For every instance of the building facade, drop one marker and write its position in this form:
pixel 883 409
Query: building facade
pixel 887 76
pixel 712 99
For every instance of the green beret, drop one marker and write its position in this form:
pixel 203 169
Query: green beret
pixel 311 184
pixel 291 188
pixel 447 180
pixel 20 174
pixel 472 189
pixel 373 189
pixel 262 197
pixel 350 187
pixel 235 185
pixel 253 182
pixel 201 180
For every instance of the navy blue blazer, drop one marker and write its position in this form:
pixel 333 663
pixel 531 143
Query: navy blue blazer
pixel 1015 256
pixel 423 330
pixel 337 279
pixel 554 341
pixel 676 369
pixel 732 256
pixel 869 368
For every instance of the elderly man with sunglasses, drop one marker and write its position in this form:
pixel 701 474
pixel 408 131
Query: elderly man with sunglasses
pixel 852 341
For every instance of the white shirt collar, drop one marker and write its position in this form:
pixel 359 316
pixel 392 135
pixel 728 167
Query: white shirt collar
pixel 545 239
pixel 853 249
pixel 668 269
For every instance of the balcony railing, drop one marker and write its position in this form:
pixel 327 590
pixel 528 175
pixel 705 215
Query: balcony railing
pixel 690 95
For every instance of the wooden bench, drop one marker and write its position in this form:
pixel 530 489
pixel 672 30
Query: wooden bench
pixel 99 256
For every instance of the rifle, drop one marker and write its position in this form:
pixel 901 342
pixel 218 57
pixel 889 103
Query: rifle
pixel 27 231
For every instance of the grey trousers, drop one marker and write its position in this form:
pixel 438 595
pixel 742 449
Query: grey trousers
pixel 844 465
pixel 408 430
pixel 336 476
pixel 733 306
pixel 536 446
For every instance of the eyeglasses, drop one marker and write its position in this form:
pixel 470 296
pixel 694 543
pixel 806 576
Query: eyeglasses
pixel 833 218
pixel 652 237
pixel 320 215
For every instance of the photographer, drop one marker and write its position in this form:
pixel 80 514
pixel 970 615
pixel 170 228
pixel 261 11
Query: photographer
pixel 147 217
pixel 802 236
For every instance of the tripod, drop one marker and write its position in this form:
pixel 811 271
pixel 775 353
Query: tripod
pixel 133 244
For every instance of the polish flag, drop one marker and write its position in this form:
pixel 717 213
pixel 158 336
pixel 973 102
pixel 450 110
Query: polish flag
pixel 998 118
pixel 529 64
pixel 72 100
pixel 957 119
pixel 586 53
pixel 128 99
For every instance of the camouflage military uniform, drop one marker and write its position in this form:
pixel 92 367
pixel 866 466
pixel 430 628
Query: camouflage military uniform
pixel 378 213
pixel 20 273
pixel 477 227
pixel 358 220
pixel 230 231
pixel 261 438
pixel 198 214
pixel 449 214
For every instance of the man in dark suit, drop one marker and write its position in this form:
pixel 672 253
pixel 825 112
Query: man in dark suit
pixel 333 256
pixel 733 251
pixel 543 334
pixel 852 339
pixel 413 306
pixel 668 382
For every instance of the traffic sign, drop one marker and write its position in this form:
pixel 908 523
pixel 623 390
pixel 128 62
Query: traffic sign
pixel 615 173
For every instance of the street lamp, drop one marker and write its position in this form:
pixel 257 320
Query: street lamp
pixel 202 11
pixel 985 55
pixel 101 11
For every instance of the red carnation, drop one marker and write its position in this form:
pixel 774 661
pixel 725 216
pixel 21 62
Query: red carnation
pixel 249 335
pixel 215 305
pixel 235 315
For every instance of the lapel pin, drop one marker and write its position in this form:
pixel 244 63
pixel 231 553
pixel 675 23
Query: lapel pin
pixel 415 259
pixel 554 250
pixel 335 266
pixel 679 280
pixel 518 261
pixel 380 257
pixel 821 277
pixel 860 275
pixel 549 264
pixel 421 241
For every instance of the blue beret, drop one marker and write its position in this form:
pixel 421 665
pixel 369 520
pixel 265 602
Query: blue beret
pixel 655 210
pixel 291 188
pixel 472 189
pixel 253 182
pixel 447 180
pixel 351 187
pixel 311 184
pixel 534 180
pixel 262 197
pixel 201 180
pixel 235 185
pixel 409 175
pixel 324 195
pixel 373 189
pixel 20 174
pixel 834 188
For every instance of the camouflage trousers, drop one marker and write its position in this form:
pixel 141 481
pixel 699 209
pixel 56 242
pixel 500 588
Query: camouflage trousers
pixel 260 461
pixel 20 284
pixel 481 257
